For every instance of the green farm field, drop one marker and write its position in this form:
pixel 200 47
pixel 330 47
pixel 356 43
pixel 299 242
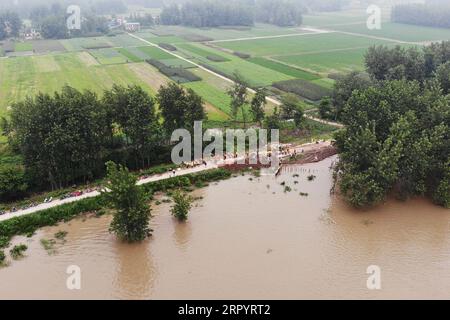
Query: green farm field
pixel 213 96
pixel 256 75
pixel 109 56
pixel 259 30
pixel 24 76
pixel 344 61
pixel 310 43
pixel 23 47
pixel 401 32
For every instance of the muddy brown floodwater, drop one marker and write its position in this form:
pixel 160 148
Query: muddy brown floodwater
pixel 248 239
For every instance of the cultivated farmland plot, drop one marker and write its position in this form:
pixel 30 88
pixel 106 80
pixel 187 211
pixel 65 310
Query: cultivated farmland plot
pixel 108 56
pixel 23 76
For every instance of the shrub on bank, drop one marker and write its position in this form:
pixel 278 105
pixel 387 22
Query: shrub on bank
pixel 17 251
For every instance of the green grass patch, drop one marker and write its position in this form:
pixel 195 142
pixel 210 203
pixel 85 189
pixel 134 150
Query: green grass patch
pixel 279 67
pixel 23 76
pixel 227 32
pixel 399 31
pixel 123 40
pixel 254 75
pixel 153 52
pixel 177 63
pixel 78 44
pixel 23 46
pixel 204 52
pixel 211 94
pixel 167 39
pixel 341 61
pixel 129 55
pixel 310 43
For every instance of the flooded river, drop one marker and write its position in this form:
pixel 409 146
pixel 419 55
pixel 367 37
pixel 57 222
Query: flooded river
pixel 248 239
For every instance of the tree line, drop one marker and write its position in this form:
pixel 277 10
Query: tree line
pixel 51 21
pixel 432 15
pixel 290 108
pixel 67 137
pixel 397 126
pixel 397 63
pixel 215 13
pixel 10 24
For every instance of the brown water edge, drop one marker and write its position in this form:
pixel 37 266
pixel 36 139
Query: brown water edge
pixel 248 239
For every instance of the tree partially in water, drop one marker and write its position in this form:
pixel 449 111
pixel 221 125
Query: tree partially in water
pixel 397 139
pixel 132 214
pixel 182 206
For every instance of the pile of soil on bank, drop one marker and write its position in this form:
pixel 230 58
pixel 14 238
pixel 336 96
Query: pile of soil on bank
pixel 312 156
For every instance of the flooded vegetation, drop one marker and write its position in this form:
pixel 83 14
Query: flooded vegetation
pixel 246 238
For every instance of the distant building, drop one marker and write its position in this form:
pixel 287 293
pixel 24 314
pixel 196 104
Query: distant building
pixel 31 34
pixel 132 26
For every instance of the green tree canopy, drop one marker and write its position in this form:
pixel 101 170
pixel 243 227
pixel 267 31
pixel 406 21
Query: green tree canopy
pixel 132 214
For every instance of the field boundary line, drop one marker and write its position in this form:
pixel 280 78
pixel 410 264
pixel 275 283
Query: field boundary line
pixel 270 37
pixel 420 43
pixel 293 66
pixel 314 52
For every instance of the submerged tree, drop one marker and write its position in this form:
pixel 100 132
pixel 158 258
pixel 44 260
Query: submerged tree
pixel 396 139
pixel 182 206
pixel 132 214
